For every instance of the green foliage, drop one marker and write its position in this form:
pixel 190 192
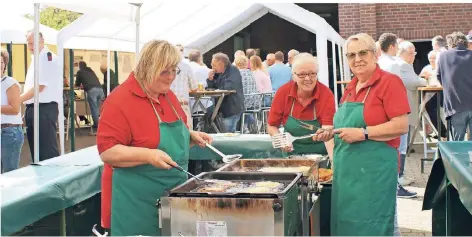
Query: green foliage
pixel 56 18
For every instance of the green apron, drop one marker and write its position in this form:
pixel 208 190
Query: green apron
pixel 364 182
pixel 136 190
pixel 296 127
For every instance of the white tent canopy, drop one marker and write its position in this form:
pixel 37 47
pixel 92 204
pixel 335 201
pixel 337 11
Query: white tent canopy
pixel 198 25
pixel 13 29
pixel 195 25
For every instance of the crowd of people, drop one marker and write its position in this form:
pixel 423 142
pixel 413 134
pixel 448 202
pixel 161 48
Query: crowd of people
pixel 365 137
pixel 147 121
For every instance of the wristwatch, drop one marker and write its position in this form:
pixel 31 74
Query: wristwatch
pixel 366 133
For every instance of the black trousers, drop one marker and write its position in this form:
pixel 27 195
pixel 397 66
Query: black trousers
pixel 48 113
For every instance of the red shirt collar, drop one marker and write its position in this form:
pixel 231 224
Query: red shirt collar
pixel 135 87
pixel 373 79
pixel 137 90
pixel 314 96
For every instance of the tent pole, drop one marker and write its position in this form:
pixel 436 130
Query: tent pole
pixel 36 83
pixel 115 57
pixel 335 76
pixel 71 100
pixel 108 68
pixel 137 20
pixel 10 62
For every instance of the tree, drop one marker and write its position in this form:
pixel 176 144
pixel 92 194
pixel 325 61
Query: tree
pixel 56 18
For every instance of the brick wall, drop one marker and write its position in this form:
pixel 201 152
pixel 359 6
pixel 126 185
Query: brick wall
pixel 407 20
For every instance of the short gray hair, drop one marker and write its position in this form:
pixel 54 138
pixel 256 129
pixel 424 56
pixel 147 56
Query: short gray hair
pixel 431 53
pixel 367 39
pixel 303 58
pixel 404 46
pixel 293 52
pixel 222 58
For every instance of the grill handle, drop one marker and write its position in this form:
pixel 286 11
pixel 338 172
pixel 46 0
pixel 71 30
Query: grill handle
pixel 277 207
pixel 159 210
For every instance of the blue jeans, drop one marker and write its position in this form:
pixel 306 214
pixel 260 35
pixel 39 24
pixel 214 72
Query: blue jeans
pixel 249 119
pixel 231 122
pixel 459 123
pixel 12 141
pixel 403 144
pixel 94 97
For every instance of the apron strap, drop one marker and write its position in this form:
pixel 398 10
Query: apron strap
pixel 314 109
pixel 157 115
pixel 154 108
pixel 365 97
pixel 175 111
pixel 155 111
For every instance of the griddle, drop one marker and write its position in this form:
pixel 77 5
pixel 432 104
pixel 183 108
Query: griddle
pixel 287 179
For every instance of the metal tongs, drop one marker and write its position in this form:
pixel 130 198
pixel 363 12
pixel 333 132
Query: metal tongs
pixel 226 158
pixel 307 126
pixel 178 167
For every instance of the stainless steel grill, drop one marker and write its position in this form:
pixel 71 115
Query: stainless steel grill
pixel 187 213
pixel 307 190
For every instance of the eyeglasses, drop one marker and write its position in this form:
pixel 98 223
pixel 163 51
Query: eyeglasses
pixel 304 75
pixel 175 71
pixel 362 54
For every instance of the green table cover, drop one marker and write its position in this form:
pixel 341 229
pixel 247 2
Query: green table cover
pixel 35 191
pixel 249 145
pixel 452 162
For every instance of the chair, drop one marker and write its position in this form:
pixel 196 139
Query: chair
pixel 253 105
pixel 266 104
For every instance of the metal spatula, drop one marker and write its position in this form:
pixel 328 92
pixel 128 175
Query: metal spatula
pixel 226 158
pixel 286 139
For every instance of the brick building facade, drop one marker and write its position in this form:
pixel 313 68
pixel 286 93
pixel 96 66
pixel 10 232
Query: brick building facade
pixel 407 20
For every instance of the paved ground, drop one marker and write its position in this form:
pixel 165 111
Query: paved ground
pixel 412 220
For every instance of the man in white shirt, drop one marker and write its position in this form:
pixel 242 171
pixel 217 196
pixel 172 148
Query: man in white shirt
pixel 201 74
pixel 183 84
pixel 388 61
pixel 50 94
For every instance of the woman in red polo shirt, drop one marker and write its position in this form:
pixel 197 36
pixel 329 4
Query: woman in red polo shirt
pixel 301 106
pixel 141 137
pixel 368 125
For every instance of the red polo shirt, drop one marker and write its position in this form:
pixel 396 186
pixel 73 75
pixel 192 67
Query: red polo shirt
pixel 127 118
pixel 322 99
pixel 387 99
